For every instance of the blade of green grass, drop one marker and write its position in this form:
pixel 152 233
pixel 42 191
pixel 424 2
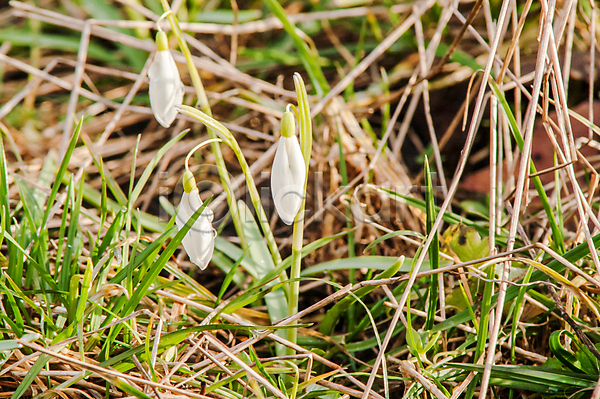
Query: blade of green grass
pixel 23 37
pixel 61 173
pixel 518 309
pixel 376 311
pixel 393 234
pixel 434 249
pixel 4 196
pixel 308 58
pixel 39 364
pixel 374 262
pixel 449 217
pixel 277 303
pixel 151 165
pixel 351 313
pixel 563 354
pixel 107 179
pixel 333 315
pixel 111 236
pixel 534 378
pixel 483 330
pixel 558 240
pixel 69 265
pixel 512 291
pixel 16 291
pixel 125 387
pixel 146 279
pixel 229 277
pixel 45 276
pixel 103 9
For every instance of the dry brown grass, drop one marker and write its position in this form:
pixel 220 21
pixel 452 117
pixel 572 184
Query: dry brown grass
pixel 397 99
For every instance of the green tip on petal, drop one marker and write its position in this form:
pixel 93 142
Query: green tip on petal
pixel 162 43
pixel 288 125
pixel 189 183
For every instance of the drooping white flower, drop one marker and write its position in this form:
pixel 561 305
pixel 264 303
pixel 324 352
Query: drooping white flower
pixel 288 173
pixel 166 89
pixel 199 242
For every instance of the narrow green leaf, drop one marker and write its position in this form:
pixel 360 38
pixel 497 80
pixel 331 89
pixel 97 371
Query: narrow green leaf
pixel 276 301
pixel 563 354
pixel 150 167
pixel 112 235
pixel 149 278
pixel 308 57
pixel 434 249
pixel 407 233
pixel 333 315
pixel 260 366
pixel 518 310
pixel 512 291
pixel 4 197
pixel 39 364
pixel 229 277
pixel 124 386
pixel 85 287
pixel 558 240
pixel 227 16
pixel 23 37
pixel 61 172
pixel 449 217
pixel 374 262
pixel 107 178
pixel 534 378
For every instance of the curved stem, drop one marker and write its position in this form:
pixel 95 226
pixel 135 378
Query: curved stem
pixel 228 139
pixel 196 148
pixel 196 81
pixel 205 106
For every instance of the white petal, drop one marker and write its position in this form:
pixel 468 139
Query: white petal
pixel 287 178
pixel 165 88
pixel 296 161
pixel 199 242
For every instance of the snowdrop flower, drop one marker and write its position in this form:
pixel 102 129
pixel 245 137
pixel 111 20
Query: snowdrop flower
pixel 289 172
pixel 199 242
pixel 166 89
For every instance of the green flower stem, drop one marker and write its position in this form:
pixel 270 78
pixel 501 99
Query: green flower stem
pixel 196 81
pixel 304 123
pixel 205 106
pixel 228 138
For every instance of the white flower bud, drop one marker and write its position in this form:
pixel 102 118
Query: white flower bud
pixel 288 174
pixel 166 89
pixel 199 242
